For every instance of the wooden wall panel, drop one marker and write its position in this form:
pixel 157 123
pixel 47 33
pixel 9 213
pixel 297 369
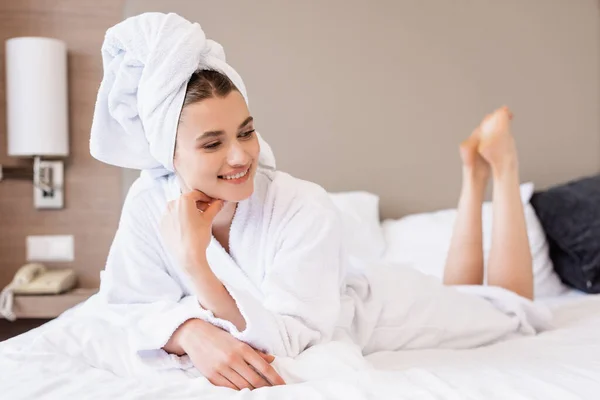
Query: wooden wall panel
pixel 92 192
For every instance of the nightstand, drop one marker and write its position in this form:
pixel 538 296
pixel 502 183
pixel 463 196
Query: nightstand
pixel 35 310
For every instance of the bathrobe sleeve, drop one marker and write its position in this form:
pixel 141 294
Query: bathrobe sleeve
pixel 301 288
pixel 139 292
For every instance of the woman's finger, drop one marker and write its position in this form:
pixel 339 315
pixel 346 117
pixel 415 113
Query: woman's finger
pixel 213 209
pixel 267 357
pixel 194 201
pixel 263 368
pixel 196 195
pixel 219 380
pixel 250 375
pixel 234 377
pixel 202 206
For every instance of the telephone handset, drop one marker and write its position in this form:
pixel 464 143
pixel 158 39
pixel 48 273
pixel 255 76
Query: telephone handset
pixel 27 272
pixel 35 279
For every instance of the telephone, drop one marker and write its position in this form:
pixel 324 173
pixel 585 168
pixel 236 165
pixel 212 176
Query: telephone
pixel 35 279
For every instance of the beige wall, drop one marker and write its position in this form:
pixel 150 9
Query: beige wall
pixel 92 189
pixel 377 95
pixel 351 94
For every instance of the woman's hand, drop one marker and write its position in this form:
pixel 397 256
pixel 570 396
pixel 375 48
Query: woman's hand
pixel 186 226
pixel 221 358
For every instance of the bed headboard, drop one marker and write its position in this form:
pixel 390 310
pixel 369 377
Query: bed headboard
pixel 377 95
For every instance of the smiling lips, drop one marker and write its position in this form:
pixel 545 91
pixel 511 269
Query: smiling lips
pixel 239 177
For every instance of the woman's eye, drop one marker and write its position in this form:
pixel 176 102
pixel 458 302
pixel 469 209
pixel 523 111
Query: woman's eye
pixel 246 135
pixel 212 146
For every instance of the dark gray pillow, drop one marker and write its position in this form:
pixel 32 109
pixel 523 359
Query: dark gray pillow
pixel 570 216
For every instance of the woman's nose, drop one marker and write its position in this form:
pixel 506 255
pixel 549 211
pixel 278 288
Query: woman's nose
pixel 237 155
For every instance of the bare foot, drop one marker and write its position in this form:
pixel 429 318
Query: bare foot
pixel 497 144
pixel 474 165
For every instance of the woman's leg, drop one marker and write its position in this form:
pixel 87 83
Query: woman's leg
pixel 490 149
pixel 510 263
pixel 464 264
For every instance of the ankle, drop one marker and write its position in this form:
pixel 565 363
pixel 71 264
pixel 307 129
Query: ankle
pixel 509 168
pixel 475 177
pixel 473 187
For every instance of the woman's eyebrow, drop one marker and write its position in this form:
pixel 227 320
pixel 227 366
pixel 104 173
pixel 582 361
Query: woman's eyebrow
pixel 246 122
pixel 214 134
pixel 210 134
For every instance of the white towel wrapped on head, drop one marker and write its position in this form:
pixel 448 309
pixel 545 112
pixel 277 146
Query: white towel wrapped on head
pixel 148 60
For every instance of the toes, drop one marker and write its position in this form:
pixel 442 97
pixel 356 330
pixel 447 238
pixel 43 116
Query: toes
pixel 497 121
pixel 509 113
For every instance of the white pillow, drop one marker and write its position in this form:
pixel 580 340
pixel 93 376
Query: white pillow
pixel 362 227
pixel 422 241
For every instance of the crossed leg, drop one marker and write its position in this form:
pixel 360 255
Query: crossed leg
pixel 491 150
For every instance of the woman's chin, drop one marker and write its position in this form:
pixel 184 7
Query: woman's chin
pixel 239 194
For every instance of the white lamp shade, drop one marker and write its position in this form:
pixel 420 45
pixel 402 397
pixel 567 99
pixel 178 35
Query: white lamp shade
pixel 36 97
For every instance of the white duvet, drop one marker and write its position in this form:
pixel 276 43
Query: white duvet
pixel 77 356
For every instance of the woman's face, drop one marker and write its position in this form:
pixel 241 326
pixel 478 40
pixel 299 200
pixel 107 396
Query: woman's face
pixel 217 150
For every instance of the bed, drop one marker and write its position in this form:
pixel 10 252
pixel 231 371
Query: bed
pixel 563 363
pixel 383 92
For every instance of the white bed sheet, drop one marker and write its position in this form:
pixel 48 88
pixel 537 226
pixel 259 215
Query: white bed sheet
pixel 563 363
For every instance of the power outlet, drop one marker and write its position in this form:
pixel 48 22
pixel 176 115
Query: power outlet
pixel 50 248
pixel 52 197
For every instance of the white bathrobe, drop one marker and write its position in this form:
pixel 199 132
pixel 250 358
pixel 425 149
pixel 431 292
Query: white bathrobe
pixel 284 269
pixel 294 282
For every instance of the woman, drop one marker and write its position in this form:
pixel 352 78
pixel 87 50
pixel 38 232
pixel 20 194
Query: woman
pixel 221 258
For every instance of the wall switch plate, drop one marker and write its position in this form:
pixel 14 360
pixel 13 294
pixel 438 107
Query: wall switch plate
pixel 53 197
pixel 50 248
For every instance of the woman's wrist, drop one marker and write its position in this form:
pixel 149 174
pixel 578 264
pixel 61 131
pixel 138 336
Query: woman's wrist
pixel 175 343
pixel 196 262
pixel 185 333
pixel 204 282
